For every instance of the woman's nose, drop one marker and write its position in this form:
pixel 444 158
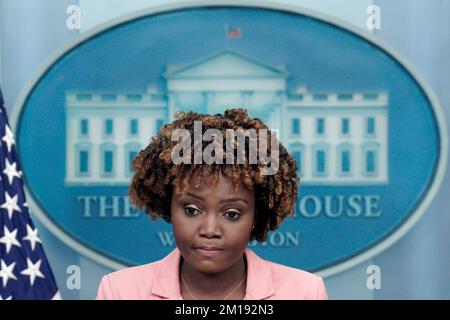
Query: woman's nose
pixel 211 225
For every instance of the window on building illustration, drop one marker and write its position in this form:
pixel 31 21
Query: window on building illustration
pixel 370 161
pixel 296 126
pixel 345 161
pixel 320 96
pixel 345 129
pixel 84 127
pixel 320 126
pixel 131 155
pixel 370 96
pixel 159 124
pixel 109 97
pixel 134 126
pixel 345 96
pixel 298 158
pixel 370 125
pixel 320 161
pixel 108 161
pixel 84 97
pixel 109 128
pixel 84 161
pixel 134 97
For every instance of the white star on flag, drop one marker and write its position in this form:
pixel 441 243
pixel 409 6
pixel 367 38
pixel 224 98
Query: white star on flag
pixel 9 298
pixel 6 272
pixel 8 137
pixel 10 204
pixel 11 171
pixel 32 236
pixel 33 270
pixel 9 239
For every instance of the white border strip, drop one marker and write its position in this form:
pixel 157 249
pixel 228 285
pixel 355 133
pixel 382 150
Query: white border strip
pixel 383 245
pixel 57 296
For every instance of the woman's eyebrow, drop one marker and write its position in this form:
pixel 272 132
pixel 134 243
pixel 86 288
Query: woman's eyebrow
pixel 195 196
pixel 222 201
pixel 234 199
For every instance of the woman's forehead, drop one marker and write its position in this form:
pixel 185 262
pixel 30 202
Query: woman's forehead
pixel 223 186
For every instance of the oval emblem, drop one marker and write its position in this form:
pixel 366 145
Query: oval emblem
pixel 366 131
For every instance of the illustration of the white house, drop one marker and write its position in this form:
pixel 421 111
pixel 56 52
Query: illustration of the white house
pixel 338 138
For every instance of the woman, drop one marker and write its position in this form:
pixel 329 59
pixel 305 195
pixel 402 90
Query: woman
pixel 215 209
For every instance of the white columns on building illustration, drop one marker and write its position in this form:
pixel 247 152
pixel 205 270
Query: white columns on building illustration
pixel 104 132
pixel 339 138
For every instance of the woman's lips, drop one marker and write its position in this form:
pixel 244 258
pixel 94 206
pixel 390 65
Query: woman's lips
pixel 208 252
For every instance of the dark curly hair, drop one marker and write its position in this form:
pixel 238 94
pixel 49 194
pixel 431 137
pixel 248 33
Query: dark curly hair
pixel 156 174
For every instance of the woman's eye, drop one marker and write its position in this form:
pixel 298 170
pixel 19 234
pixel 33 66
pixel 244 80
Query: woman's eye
pixel 190 211
pixel 232 215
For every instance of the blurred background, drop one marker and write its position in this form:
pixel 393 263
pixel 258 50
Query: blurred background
pixel 416 267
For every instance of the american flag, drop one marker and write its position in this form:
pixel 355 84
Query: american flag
pixel 24 269
pixel 232 32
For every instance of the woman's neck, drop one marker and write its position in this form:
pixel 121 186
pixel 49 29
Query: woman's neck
pixel 215 286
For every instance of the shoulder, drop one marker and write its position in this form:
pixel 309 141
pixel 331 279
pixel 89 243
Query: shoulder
pixel 292 283
pixel 129 283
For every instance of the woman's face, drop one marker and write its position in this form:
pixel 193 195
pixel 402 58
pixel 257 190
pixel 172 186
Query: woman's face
pixel 213 217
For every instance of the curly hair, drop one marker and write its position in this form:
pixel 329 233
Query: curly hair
pixel 156 174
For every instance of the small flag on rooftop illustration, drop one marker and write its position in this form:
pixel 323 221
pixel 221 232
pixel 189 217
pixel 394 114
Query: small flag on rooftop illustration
pixel 24 270
pixel 232 32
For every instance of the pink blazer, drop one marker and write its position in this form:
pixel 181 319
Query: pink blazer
pixel 159 280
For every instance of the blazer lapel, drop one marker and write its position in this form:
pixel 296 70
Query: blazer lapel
pixel 166 283
pixel 259 277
